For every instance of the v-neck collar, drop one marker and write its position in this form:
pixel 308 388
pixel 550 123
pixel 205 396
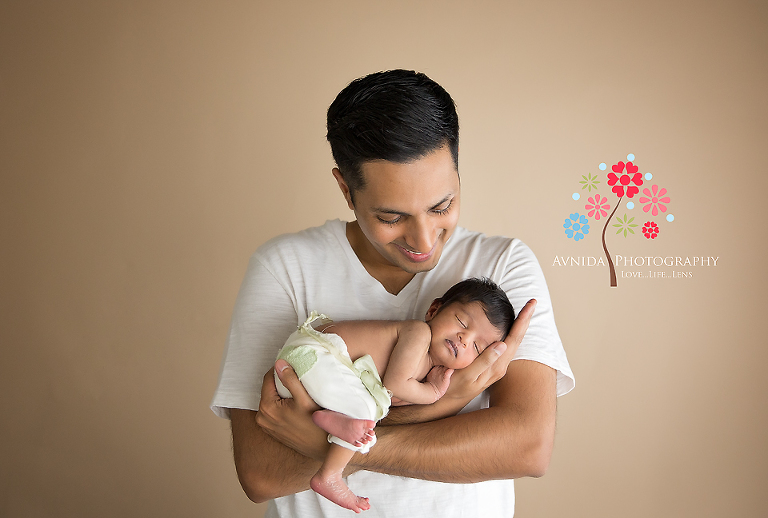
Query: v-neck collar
pixel 405 294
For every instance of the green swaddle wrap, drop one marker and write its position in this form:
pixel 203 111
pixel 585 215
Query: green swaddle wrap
pixel 303 358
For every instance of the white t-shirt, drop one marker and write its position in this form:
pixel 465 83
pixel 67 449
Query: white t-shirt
pixel 316 269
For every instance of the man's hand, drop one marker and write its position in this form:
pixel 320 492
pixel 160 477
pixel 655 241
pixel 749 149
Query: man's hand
pixel 471 381
pixel 492 364
pixel 289 421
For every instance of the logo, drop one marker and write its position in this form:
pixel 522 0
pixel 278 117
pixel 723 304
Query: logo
pixel 626 204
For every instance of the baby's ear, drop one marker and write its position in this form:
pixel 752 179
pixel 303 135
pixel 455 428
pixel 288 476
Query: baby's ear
pixel 433 309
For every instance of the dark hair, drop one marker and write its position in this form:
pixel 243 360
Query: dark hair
pixel 494 300
pixel 398 116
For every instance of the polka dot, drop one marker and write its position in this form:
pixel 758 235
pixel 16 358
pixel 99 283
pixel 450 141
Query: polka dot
pixel 648 176
pixel 630 157
pixel 576 196
pixel 602 166
pixel 670 217
pixel 630 205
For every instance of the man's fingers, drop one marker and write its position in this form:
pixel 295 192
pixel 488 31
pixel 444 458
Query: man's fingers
pixel 291 381
pixel 525 314
pixel 268 388
pixel 493 362
pixel 520 326
pixel 485 361
pixel 280 366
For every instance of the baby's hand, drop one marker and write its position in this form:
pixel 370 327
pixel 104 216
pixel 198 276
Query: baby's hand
pixel 396 401
pixel 440 378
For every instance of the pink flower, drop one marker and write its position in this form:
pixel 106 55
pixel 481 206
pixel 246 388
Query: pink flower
pixel 655 200
pixel 597 207
pixel 619 182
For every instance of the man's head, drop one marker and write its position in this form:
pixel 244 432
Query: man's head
pixel 472 315
pixel 398 116
pixel 394 136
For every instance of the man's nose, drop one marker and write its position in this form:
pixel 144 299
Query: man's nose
pixel 421 236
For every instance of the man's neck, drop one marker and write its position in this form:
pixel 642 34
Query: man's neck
pixel 393 278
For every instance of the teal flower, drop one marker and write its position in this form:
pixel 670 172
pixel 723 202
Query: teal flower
pixel 576 226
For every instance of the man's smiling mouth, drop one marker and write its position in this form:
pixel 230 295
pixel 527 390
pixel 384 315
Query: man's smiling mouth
pixel 416 256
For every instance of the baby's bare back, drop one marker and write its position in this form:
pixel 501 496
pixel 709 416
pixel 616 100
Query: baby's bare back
pixel 375 337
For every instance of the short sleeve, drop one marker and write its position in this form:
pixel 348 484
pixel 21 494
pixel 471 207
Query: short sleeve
pixel 522 278
pixel 263 317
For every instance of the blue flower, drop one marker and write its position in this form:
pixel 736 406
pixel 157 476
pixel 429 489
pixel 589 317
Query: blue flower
pixel 576 226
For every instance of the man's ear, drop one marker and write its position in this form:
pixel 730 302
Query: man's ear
pixel 433 309
pixel 344 187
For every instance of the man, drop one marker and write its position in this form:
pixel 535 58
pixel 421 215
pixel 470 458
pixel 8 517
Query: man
pixel 394 137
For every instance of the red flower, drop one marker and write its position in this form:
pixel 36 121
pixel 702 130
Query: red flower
pixel 650 230
pixel 624 179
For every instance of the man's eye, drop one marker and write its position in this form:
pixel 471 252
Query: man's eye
pixel 388 221
pixel 444 210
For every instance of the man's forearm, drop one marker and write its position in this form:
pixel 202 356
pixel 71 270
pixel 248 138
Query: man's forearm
pixel 513 438
pixel 266 468
pixel 410 414
pixel 459 449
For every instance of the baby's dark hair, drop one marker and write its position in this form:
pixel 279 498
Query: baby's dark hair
pixel 493 299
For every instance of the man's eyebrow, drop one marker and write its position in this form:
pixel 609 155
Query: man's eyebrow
pixel 436 205
pixel 390 211
pixel 401 213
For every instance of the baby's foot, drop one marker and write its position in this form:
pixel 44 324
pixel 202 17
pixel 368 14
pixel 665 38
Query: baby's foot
pixel 334 489
pixel 354 431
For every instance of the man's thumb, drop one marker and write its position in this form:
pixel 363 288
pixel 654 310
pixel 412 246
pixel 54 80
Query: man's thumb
pixel 285 372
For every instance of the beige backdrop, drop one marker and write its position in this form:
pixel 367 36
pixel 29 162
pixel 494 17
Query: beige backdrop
pixel 148 148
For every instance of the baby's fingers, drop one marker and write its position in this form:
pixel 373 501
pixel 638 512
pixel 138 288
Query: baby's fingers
pixel 445 376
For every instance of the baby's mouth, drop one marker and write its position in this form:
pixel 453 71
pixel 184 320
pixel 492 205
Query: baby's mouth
pixel 453 347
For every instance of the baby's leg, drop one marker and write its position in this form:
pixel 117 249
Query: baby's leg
pixel 329 483
pixel 354 431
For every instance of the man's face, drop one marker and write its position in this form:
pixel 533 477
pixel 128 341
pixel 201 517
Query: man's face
pixel 460 332
pixel 407 212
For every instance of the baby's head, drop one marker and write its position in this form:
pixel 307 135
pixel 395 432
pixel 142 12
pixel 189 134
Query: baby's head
pixel 469 317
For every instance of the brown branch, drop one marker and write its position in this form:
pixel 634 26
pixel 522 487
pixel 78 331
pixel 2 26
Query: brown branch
pixel 605 248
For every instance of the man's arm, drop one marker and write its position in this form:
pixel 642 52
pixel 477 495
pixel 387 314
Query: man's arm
pixel 513 438
pixel 266 468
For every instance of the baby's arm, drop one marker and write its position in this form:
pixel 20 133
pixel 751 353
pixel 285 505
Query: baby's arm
pixel 410 362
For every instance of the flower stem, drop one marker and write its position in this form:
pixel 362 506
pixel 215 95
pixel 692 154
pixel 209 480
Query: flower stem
pixel 605 248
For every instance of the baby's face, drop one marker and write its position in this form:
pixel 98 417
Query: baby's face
pixel 460 332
